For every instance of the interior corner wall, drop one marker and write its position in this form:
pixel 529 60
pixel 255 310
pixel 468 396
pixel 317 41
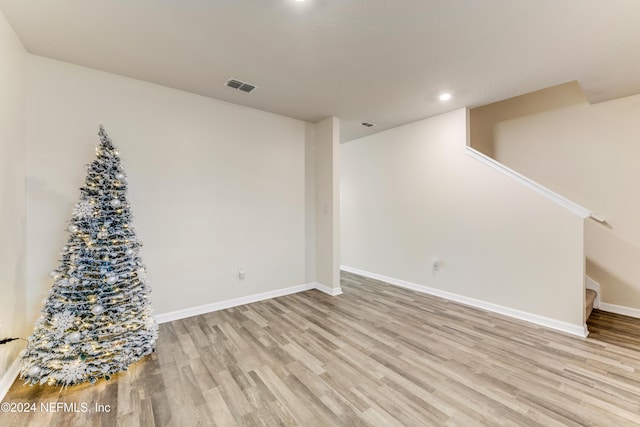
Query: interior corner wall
pixel 13 320
pixel 411 194
pixel 327 202
pixel 213 186
pixel 590 154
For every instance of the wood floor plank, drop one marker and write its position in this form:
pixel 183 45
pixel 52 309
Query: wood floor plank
pixel 377 355
pixel 221 414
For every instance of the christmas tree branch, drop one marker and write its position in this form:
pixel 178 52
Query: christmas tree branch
pixel 6 340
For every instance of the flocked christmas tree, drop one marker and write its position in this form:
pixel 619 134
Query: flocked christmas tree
pixel 96 320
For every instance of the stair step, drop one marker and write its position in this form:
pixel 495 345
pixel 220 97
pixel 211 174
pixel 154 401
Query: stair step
pixel 590 297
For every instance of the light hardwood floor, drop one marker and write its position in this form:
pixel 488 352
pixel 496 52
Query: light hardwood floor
pixel 377 355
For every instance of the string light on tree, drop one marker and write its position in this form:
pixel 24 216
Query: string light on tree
pixel 96 320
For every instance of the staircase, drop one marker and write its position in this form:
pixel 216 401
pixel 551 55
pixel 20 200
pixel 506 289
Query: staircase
pixel 590 297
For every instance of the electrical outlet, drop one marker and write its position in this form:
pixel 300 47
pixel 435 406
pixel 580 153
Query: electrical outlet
pixel 241 273
pixel 435 265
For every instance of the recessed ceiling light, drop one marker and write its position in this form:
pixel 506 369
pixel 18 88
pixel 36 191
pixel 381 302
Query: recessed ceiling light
pixel 299 1
pixel 445 97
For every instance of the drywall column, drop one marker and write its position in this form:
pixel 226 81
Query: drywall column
pixel 13 316
pixel 310 202
pixel 327 205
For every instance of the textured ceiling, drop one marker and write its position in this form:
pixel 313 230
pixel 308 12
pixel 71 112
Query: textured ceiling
pixel 380 61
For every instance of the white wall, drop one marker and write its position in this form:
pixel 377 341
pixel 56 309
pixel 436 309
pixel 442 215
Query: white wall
pixel 212 185
pixel 411 193
pixel 483 119
pixel 590 154
pixel 13 320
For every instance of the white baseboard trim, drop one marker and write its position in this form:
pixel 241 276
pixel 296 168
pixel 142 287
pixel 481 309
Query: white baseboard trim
pixel 234 302
pixel 327 290
pixel 9 377
pixel 569 328
pixel 620 309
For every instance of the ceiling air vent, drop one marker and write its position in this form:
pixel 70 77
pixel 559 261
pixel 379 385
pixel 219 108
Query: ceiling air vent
pixel 240 85
pixel 367 124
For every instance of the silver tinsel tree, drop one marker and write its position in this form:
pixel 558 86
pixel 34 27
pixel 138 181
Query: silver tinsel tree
pixel 96 320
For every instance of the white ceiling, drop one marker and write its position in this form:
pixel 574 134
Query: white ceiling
pixel 380 61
